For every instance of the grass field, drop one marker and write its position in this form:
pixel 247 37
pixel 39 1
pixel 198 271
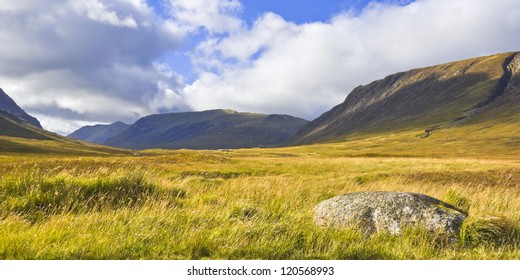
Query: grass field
pixel 254 203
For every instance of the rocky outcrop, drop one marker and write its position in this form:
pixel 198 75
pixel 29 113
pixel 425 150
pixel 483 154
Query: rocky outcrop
pixel 389 212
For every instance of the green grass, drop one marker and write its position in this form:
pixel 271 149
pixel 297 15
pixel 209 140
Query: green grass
pixel 34 195
pixel 61 200
pixel 243 204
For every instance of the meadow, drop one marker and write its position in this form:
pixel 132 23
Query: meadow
pixel 252 203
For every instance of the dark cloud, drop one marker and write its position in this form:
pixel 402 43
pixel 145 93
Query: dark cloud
pixel 87 60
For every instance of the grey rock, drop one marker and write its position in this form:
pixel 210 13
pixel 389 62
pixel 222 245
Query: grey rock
pixel 389 212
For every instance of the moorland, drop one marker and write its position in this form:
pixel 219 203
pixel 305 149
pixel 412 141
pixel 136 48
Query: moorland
pixel 450 131
pixel 254 203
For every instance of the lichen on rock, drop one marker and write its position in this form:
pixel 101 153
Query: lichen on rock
pixel 389 212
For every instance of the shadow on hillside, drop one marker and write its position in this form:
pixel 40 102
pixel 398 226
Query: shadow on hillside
pixel 429 102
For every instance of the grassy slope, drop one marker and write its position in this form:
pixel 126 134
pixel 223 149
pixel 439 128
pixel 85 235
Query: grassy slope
pixel 17 136
pixel 16 147
pixel 15 127
pixel 250 203
pixel 7 104
pixel 478 140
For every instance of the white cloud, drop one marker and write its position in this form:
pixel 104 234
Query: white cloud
pixel 99 12
pixel 20 5
pixel 269 29
pixel 280 67
pixel 73 62
pixel 216 16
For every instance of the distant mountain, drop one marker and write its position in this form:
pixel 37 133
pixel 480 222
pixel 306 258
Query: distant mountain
pixel 214 129
pixel 480 90
pixel 99 133
pixel 19 136
pixel 7 104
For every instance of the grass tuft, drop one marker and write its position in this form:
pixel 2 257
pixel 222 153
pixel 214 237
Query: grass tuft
pixel 244 212
pixel 456 199
pixel 35 195
pixel 490 232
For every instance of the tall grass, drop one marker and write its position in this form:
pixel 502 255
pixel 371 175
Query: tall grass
pixel 249 204
pixel 35 195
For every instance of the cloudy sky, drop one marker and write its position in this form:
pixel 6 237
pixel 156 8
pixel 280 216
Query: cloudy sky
pixel 71 63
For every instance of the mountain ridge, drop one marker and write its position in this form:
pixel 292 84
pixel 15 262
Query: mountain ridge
pixel 427 98
pixel 9 105
pixel 19 136
pixel 99 133
pixel 211 129
pixel 12 126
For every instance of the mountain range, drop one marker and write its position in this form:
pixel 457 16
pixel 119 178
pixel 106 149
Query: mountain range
pixel 481 95
pixel 213 129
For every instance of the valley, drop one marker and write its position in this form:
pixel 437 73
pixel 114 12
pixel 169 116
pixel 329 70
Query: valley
pixel 251 203
pixel 450 131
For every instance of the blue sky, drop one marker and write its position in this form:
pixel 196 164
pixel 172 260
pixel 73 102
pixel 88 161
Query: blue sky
pixel 73 63
pixel 297 11
pixel 305 11
pixel 293 10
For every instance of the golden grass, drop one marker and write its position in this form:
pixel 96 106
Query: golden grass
pixel 243 204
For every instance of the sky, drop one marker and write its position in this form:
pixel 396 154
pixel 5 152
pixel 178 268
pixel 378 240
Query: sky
pixel 74 63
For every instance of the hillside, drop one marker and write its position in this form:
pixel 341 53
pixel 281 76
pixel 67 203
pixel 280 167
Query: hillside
pixel 18 136
pixel 7 104
pixel 12 126
pixel 99 133
pixel 214 129
pixel 483 90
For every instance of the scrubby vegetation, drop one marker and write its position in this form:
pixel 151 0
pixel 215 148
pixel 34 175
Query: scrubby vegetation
pixel 243 204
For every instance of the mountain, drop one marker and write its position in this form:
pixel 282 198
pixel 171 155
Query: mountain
pixel 19 136
pixel 13 126
pixel 99 133
pixel 214 129
pixel 463 93
pixel 7 104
